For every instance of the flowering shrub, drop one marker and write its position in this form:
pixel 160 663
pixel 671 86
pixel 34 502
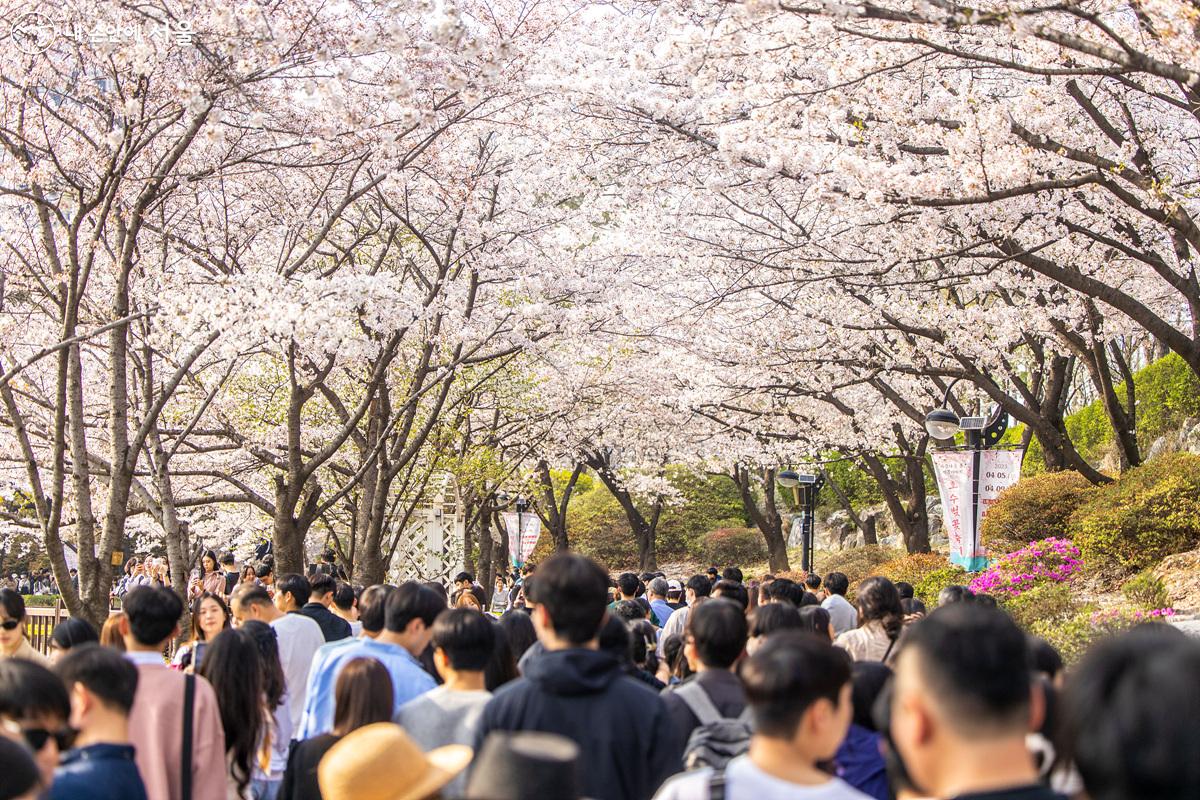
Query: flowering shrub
pixel 1052 560
pixel 727 547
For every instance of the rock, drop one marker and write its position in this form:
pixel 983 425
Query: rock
pixel 1180 574
pixel 1189 436
pixel 933 511
pixel 1159 447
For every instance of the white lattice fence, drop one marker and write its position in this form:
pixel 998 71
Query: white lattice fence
pixel 431 545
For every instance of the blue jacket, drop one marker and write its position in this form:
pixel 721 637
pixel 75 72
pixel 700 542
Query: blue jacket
pixel 98 772
pixel 860 764
pixel 619 723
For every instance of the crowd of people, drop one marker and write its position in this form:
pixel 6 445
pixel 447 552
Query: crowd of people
pixel 569 684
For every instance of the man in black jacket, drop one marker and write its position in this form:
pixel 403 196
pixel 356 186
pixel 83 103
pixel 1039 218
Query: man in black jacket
pixel 577 691
pixel 312 599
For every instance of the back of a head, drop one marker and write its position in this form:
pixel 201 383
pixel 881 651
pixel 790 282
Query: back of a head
pixel 467 638
pixel 905 590
pixel 343 596
pixel 732 590
pixel 816 620
pixel 28 689
pixel 658 587
pixel 573 590
pixel 627 583
pixel 518 629
pixel 20 771
pixel 954 594
pixel 72 632
pixel 837 583
pixel 296 585
pixel 878 601
pixel 700 585
pixel 616 640
pixel 732 574
pixel 781 590
pixel 719 631
pixel 410 601
pixel 868 678
pixel 322 584
pixel 785 676
pixel 153 612
pixel 774 617
pixel 629 610
pixel 372 607
pixel 808 599
pixel 362 695
pixel 1133 716
pixel 971 664
pixel 103 672
pixel 812 581
pixel 1044 658
pixel 249 594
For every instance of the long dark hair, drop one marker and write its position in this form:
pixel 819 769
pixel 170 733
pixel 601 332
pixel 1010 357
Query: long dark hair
pixel 216 564
pixel 197 634
pixel 234 668
pixel 518 627
pixel 502 665
pixel 363 695
pixel 274 682
pixel 878 600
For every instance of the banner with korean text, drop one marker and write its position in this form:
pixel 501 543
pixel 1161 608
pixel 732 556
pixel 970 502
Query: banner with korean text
pixel 969 482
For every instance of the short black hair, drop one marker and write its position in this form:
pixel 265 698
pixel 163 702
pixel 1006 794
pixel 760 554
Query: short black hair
pixel 629 610
pixel 731 574
pixel 250 594
pixel 774 617
pixel 782 590
pixel 615 639
pixel 718 629
pixel 868 679
pixel 732 590
pixel 905 589
pixel 467 638
pixel 264 570
pixel 464 576
pixel 807 599
pixel 372 607
pixel 28 689
pixel 228 559
pixel 410 601
pixel 343 596
pixel 574 591
pixel 813 619
pixel 955 594
pixel 837 583
pixel 1145 680
pixel 1043 657
pixel 973 660
pixel 153 612
pixel 812 581
pixel 912 606
pixel 103 671
pixel 295 585
pixel 322 584
pixel 700 585
pixel 628 583
pixel 785 676
pixel 72 632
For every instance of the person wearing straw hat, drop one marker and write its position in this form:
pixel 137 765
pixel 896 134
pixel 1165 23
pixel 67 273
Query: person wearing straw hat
pixel 381 762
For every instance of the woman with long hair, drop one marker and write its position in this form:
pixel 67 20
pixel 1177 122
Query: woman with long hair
pixel 210 616
pixel 110 634
pixel 13 643
pixel 69 633
pixel 210 579
pixel 234 668
pixel 269 768
pixel 880 622
pixel 249 575
pixel 362 696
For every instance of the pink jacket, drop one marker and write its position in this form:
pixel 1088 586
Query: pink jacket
pixel 156 731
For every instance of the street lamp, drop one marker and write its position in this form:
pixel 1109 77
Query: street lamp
pixel 942 424
pixel 804 492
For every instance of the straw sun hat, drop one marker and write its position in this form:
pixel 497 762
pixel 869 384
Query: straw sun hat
pixel 381 762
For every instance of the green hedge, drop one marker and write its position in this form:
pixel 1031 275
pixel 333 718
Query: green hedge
pixel 1034 508
pixel 1152 512
pixel 733 547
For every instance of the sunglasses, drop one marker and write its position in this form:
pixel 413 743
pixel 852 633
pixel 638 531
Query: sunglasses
pixel 36 738
pixel 10 624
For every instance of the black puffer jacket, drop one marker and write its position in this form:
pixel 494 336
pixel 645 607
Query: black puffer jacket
pixel 618 722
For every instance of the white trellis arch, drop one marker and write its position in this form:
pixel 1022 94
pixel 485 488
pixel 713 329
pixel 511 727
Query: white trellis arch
pixel 431 545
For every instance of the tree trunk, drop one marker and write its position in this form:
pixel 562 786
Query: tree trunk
pixel 766 518
pixel 553 512
pixel 644 530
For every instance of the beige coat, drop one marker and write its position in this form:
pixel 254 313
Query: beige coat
pixel 869 642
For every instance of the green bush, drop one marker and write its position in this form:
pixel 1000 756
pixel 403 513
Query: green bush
pixel 1072 637
pixel 733 547
pixel 929 587
pixel 1152 512
pixel 914 568
pixel 1034 508
pixel 1145 590
pixel 1048 602
pixel 40 600
pixel 856 563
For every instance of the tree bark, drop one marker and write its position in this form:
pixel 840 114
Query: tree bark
pixel 765 517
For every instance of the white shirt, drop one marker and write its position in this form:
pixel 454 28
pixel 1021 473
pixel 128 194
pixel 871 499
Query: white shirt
pixel 676 624
pixel 745 781
pixel 299 639
pixel 842 614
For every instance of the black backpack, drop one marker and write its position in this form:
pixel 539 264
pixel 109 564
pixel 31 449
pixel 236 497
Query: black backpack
pixel 717 740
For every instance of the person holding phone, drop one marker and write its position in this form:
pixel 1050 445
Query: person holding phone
pixel 210 616
pixel 208 579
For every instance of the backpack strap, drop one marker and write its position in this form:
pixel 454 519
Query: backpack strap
pixel 697 700
pixel 716 785
pixel 185 759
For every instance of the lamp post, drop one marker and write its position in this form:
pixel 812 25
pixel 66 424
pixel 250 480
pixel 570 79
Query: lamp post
pixel 981 433
pixel 804 492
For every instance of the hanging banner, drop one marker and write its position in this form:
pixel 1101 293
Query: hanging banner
pixel 969 481
pixel 522 540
